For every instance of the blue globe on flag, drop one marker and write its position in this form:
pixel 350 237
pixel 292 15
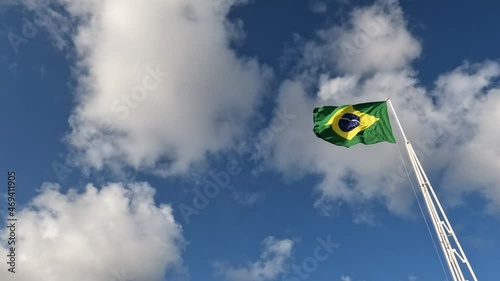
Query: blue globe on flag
pixel 348 122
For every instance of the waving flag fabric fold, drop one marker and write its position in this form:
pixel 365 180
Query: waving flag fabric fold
pixel 347 125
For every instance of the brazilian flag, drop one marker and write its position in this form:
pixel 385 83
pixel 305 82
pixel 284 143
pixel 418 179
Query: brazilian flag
pixel 347 125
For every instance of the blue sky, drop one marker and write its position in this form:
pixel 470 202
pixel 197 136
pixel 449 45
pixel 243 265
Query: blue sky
pixel 117 115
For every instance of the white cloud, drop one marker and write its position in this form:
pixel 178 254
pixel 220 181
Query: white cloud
pixel 356 175
pixel 459 145
pixel 271 264
pixel 376 38
pixel 471 95
pixel 163 123
pixel 58 26
pixel 115 233
pixel 345 278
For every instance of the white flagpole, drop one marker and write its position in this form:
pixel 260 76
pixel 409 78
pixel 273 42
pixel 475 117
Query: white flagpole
pixel 451 249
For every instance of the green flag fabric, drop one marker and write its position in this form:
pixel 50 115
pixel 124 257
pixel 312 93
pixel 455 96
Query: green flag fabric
pixel 347 125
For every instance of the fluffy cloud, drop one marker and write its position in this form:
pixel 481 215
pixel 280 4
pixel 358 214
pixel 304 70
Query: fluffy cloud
pixel 356 175
pixel 115 233
pixel 159 86
pixel 469 98
pixel 345 278
pixel 451 127
pixel 271 264
pixel 375 39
